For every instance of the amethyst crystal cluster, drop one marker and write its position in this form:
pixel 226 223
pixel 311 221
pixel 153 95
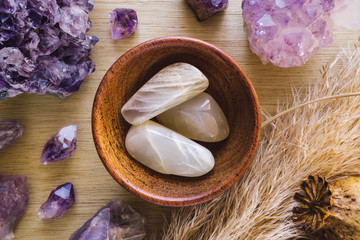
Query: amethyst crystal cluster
pixel 58 202
pixel 123 22
pixel 14 198
pixel 9 132
pixel 115 221
pixel 205 8
pixel 287 32
pixel 43 46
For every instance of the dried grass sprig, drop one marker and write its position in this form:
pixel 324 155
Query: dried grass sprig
pixel 322 138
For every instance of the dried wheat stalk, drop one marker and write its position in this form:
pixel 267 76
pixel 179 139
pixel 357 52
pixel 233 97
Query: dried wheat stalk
pixel 322 138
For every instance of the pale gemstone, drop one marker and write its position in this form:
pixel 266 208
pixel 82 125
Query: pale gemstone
pixel 171 86
pixel 166 151
pixel 346 14
pixel 199 118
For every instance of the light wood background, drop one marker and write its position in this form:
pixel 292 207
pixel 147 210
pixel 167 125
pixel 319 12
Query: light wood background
pixel 43 115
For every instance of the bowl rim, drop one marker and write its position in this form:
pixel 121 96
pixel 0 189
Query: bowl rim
pixel 201 198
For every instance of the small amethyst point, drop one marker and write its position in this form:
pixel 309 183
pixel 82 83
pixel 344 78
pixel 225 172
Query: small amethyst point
pixel 60 146
pixel 9 132
pixel 14 198
pixel 123 22
pixel 115 221
pixel 58 202
pixel 205 8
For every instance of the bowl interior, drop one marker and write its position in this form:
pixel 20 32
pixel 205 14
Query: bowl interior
pixel 229 86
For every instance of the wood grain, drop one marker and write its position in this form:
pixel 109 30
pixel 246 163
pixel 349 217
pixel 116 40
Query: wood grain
pixel 43 115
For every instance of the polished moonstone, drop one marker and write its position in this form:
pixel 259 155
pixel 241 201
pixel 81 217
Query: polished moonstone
pixel 14 198
pixel 58 202
pixel 9 132
pixel 115 221
pixel 166 151
pixel 199 118
pixel 205 8
pixel 171 86
pixel 60 146
pixel 287 33
pixel 123 22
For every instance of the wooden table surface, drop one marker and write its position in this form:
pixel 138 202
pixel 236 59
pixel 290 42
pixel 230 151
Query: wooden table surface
pixel 43 115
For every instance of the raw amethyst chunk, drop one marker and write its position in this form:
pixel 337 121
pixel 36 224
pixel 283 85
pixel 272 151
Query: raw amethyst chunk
pixel 123 22
pixel 14 198
pixel 36 33
pixel 58 202
pixel 287 33
pixel 60 146
pixel 205 8
pixel 115 221
pixel 9 132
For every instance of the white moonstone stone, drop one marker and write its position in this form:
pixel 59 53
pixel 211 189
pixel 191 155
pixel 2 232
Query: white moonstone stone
pixel 171 86
pixel 166 151
pixel 199 118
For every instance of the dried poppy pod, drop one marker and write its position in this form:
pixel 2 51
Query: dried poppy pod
pixel 329 210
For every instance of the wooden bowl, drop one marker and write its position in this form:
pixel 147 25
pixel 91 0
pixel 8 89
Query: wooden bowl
pixel 229 86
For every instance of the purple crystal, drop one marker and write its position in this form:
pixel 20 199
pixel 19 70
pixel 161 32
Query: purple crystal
pixel 287 32
pixel 36 33
pixel 74 20
pixel 58 202
pixel 205 8
pixel 346 14
pixel 123 22
pixel 60 146
pixel 115 221
pixel 9 132
pixel 14 198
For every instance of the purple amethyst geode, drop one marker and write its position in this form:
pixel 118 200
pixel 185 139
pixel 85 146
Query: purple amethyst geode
pixel 44 48
pixel 287 33
pixel 14 198
pixel 58 202
pixel 61 145
pixel 205 8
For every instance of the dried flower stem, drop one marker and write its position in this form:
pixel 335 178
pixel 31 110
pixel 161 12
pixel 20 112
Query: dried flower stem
pixel 269 120
pixel 321 139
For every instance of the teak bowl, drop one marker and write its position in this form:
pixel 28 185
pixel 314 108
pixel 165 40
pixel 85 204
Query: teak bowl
pixel 229 86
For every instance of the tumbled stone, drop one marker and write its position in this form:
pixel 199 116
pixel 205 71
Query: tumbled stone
pixel 123 22
pixel 9 132
pixel 199 118
pixel 14 198
pixel 58 202
pixel 115 221
pixel 205 8
pixel 60 146
pixel 171 86
pixel 166 151
pixel 287 33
